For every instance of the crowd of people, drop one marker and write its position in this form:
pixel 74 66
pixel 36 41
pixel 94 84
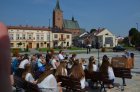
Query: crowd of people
pixel 43 70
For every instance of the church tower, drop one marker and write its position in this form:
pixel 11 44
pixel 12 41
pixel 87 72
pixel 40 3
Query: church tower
pixel 57 16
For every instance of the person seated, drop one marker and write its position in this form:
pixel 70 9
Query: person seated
pixel 83 63
pixel 46 81
pixel 106 69
pixel 92 65
pixel 61 69
pixel 78 73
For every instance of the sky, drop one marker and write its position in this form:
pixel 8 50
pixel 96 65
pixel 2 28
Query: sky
pixel 118 16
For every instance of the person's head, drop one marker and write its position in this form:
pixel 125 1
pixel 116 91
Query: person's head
pixel 25 57
pixel 91 62
pixel 105 64
pixel 26 70
pixel 33 58
pixel 77 70
pixel 82 61
pixel 60 69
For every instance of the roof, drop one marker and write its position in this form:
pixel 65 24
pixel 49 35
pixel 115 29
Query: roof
pixel 70 24
pixel 55 30
pixel 28 27
pixel 57 7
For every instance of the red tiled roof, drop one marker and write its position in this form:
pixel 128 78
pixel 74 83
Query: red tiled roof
pixel 28 27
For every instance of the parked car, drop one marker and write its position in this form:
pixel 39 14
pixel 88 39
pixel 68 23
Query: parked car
pixel 138 48
pixel 119 48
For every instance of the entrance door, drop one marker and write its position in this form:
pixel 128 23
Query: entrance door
pixel 30 45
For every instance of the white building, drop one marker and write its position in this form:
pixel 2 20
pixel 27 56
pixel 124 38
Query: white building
pixel 33 37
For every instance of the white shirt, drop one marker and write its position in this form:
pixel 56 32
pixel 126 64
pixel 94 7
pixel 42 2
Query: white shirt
pixel 95 68
pixel 29 77
pixel 82 81
pixel 60 56
pixel 111 73
pixel 23 63
pixel 53 63
pixel 48 83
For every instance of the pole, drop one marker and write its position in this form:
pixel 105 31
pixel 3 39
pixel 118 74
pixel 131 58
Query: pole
pixel 49 35
pixel 137 26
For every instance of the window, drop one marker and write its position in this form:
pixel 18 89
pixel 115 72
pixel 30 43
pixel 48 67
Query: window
pixel 23 36
pixel 55 36
pixel 41 44
pixel 42 37
pixel 68 36
pixel 48 37
pixel 37 36
pixel 29 36
pixel 17 36
pixel 11 36
pixel 12 44
pixel 61 36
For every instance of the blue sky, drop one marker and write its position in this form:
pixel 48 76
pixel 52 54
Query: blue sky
pixel 116 15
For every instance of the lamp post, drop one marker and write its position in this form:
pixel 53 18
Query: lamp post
pixel 137 26
pixel 98 47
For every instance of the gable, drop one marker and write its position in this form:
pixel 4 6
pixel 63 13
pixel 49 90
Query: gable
pixel 104 32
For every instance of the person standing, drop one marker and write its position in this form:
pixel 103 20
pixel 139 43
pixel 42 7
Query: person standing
pixel 88 45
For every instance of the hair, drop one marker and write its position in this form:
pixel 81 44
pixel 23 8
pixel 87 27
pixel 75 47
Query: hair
pixel 44 75
pixel 25 57
pixel 60 51
pixel 26 70
pixel 105 65
pixel 91 62
pixel 77 70
pixel 61 69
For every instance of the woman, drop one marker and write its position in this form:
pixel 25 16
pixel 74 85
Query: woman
pixel 27 74
pixel 92 65
pixel 46 81
pixel 106 68
pixel 61 69
pixel 78 73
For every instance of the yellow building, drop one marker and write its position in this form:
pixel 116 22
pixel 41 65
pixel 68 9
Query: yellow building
pixel 37 37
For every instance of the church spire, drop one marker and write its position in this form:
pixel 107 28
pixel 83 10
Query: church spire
pixel 57 7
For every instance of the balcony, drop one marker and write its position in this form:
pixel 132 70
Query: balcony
pixel 62 39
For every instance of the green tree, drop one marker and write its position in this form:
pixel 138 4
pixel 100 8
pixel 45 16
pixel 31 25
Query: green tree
pixel 134 36
pixel 93 30
pixel 126 41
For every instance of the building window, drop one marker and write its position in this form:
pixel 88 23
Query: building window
pixel 12 44
pixel 37 37
pixel 68 36
pixel 23 36
pixel 11 36
pixel 42 37
pixel 48 37
pixel 29 36
pixel 55 36
pixel 62 36
pixel 41 44
pixel 17 36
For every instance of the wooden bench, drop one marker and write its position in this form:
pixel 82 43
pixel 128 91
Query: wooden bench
pixel 71 84
pixel 99 78
pixel 122 73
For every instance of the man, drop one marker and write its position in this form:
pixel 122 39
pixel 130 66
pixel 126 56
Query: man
pixel 88 45
pixel 5 85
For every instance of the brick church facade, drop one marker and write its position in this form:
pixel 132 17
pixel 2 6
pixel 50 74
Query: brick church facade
pixel 59 22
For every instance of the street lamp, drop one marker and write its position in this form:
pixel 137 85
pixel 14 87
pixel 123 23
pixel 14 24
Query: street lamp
pixel 137 26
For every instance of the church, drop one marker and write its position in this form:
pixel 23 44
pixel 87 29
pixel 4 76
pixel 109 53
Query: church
pixel 60 23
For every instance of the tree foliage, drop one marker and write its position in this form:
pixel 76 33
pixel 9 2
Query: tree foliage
pixel 134 36
pixel 93 30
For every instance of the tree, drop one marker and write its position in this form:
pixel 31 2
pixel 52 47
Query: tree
pixel 93 30
pixel 126 41
pixel 134 36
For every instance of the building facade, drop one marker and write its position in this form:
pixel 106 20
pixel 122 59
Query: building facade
pixel 71 26
pixel 34 37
